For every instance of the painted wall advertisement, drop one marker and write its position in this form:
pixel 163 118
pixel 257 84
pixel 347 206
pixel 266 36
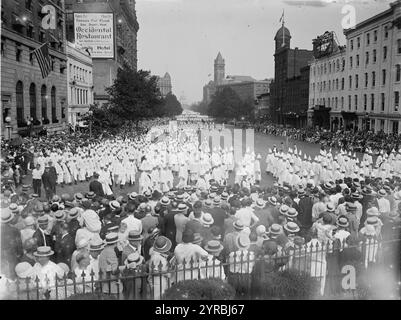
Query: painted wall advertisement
pixel 94 31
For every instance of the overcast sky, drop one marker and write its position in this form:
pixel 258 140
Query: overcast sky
pixel 183 37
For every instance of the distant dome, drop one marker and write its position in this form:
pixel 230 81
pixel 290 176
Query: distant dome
pixel 279 33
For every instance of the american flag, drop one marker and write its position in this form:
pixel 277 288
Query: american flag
pixel 42 55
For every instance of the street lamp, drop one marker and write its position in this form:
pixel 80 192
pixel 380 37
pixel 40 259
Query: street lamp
pixel 90 112
pixel 8 126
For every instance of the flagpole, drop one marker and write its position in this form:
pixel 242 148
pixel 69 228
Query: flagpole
pixel 283 27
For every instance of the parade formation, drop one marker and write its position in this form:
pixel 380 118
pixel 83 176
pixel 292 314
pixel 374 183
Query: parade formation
pixel 192 202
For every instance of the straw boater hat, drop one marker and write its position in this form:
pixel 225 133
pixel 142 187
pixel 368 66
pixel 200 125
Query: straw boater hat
pixel 165 201
pixel 330 207
pixel 284 209
pixel 60 215
pixel 238 225
pixel 291 227
pixel 114 205
pixel 242 241
pixel 382 193
pixel 29 221
pixel 373 212
pixel 90 195
pixel 272 200
pixel 13 207
pixel 216 200
pixel 372 221
pixel 43 251
pixel 206 219
pixel 162 244
pixel 224 196
pixel 260 203
pixel 342 221
pixel 356 195
pixel 132 196
pixel 275 230
pixel 351 207
pixel 73 213
pixel 78 196
pixel 208 203
pixel 6 215
pixel 111 238
pixel 301 192
pixel 96 244
pixel 43 220
pixel 182 207
pixel 134 235
pixel 213 246
pixel 291 213
pixel 133 260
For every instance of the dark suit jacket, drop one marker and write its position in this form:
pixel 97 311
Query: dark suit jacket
pixel 218 215
pixel 96 187
pixel 11 248
pixel 169 226
pixel 305 211
pixel 64 248
pixel 40 241
pixel 73 226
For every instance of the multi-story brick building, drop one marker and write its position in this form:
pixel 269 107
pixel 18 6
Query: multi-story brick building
pixel 288 63
pixel 30 102
pixel 124 31
pixel 373 81
pixel 327 84
pixel 80 82
pixel 247 88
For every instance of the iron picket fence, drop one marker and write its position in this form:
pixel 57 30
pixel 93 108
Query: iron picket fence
pixel 242 269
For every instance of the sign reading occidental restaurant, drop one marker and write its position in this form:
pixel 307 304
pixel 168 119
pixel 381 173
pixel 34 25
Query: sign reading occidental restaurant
pixel 94 31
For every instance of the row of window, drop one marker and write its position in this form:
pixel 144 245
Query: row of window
pixel 80 74
pixel 334 84
pixel 80 96
pixel 374 55
pixel 333 102
pixel 368 38
pixel 19 90
pixel 19 57
pixel 329 67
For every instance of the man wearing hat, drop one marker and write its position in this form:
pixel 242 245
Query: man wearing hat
pixel 96 246
pixel 108 264
pixel 37 179
pixel 49 179
pixel 158 262
pixel 64 245
pixel 230 238
pixel 45 269
pixel 42 235
pixel 180 220
pixel 263 213
pixel 211 267
pixel 246 214
pixel 218 214
pixel 134 269
pixel 11 244
pixel 134 244
pixel 384 204
pixel 133 224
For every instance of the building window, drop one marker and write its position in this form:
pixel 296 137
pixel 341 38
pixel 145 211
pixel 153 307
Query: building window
pixel 342 102
pixel 19 91
pixel 342 83
pixel 336 84
pixel 365 102
pixel 62 110
pixel 343 65
pixel 18 54
pixel 372 101
pixel 352 44
pixel 350 82
pixel 43 96
pixel 397 72
pixel 42 37
pixel 385 32
pixel 396 100
pixel 325 68
pixel 381 125
pixel 349 103
pixel 29 31
pixel 384 77
pixel 375 35
pixel 367 39
pixel 356 81
pixel 358 42
pixel 328 102
pixel 367 58
pixel 356 102
pixel 350 62
pixel 373 78
pixel 366 79
pixel 384 52
pixel 357 60
pixel 374 56
pixel 31 58
pixel 338 65
pixel 32 100
pixel 382 101
pixel 53 103
pixel 399 46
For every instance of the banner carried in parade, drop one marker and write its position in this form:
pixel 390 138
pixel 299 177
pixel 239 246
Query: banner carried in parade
pixel 94 31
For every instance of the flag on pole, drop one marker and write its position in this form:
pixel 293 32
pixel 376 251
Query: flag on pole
pixel 42 55
pixel 282 17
